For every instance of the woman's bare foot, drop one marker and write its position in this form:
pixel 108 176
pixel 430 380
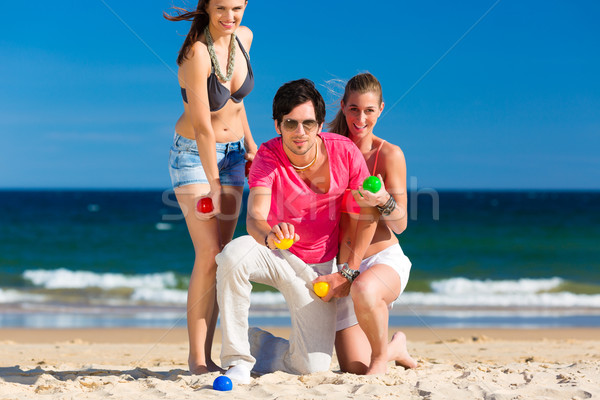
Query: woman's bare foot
pixel 212 367
pixel 399 353
pixel 378 366
pixel 199 369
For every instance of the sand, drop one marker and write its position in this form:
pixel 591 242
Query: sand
pixel 151 364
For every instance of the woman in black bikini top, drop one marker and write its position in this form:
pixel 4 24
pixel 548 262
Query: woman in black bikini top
pixel 215 76
pixel 218 94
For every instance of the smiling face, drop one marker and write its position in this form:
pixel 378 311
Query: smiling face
pixel 225 15
pixel 361 111
pixel 299 142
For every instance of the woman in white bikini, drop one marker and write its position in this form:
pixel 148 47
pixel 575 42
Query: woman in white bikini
pixel 362 318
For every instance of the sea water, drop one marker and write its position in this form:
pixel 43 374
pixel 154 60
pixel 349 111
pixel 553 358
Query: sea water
pixel 123 258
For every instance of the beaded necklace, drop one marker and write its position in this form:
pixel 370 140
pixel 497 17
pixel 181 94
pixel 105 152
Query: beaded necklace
pixel 213 56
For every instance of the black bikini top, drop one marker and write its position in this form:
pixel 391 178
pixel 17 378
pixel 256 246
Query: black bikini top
pixel 219 95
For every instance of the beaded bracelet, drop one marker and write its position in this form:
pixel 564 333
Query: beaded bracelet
pixel 388 207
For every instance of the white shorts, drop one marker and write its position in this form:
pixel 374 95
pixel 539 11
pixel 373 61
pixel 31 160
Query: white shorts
pixel 393 257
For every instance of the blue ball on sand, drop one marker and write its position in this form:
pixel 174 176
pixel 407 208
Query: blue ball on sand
pixel 222 384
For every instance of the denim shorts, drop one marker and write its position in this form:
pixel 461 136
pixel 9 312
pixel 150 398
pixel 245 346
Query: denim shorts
pixel 185 167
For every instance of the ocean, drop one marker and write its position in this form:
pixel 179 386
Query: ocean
pixel 96 258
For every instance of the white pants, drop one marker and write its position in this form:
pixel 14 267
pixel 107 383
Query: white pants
pixel 313 321
pixel 393 257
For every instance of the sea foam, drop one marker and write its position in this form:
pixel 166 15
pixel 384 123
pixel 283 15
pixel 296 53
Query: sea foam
pixel 462 292
pixel 462 286
pixel 16 296
pixel 161 288
pixel 66 279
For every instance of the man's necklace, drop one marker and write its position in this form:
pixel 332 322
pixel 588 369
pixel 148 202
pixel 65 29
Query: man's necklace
pixel 310 164
pixel 213 56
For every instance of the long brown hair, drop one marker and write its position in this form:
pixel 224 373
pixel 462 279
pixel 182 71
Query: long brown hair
pixel 361 83
pixel 199 18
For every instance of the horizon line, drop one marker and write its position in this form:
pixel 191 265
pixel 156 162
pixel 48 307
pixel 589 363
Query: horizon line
pixel 153 189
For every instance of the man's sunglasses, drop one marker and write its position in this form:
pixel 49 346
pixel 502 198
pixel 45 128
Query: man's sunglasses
pixel 290 125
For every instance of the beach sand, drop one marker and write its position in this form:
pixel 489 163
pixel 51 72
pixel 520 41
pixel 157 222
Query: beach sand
pixel 151 364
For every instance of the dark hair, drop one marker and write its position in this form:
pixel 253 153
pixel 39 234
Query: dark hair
pixel 199 19
pixel 294 93
pixel 361 83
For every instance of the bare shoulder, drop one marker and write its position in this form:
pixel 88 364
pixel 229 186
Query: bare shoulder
pixel 393 168
pixel 392 153
pixel 195 66
pixel 198 52
pixel 198 55
pixel 244 32
pixel 245 35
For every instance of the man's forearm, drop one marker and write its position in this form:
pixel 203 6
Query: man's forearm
pixel 258 229
pixel 259 203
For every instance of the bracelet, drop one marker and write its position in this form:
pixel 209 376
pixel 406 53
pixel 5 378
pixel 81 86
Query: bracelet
pixel 388 207
pixel 267 241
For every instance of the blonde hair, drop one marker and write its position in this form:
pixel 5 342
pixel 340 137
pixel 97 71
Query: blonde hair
pixel 361 83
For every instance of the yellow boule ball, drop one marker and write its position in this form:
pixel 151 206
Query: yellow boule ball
pixel 321 289
pixel 284 244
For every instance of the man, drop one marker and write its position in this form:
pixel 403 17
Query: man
pixel 297 182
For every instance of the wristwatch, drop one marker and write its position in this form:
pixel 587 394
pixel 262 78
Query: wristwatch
pixel 347 272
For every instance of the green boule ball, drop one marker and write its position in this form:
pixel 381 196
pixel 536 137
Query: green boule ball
pixel 372 184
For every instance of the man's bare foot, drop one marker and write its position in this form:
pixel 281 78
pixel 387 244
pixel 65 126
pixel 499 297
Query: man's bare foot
pixel 399 353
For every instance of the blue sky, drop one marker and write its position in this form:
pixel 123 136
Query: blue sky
pixel 89 96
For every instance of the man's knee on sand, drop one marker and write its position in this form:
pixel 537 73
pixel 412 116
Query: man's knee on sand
pixel 233 255
pixel 314 362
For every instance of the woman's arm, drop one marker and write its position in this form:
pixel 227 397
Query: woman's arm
pixel 355 240
pixel 359 236
pixel 195 72
pixel 394 184
pixel 395 181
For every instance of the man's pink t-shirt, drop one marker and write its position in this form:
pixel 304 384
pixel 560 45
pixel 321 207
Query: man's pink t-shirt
pixel 315 216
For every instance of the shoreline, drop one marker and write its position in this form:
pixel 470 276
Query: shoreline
pixel 179 335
